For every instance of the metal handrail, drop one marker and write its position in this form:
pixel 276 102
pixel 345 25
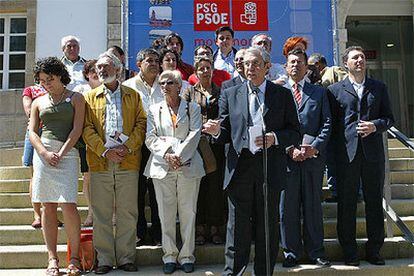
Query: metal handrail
pixel 395 133
pixel 391 215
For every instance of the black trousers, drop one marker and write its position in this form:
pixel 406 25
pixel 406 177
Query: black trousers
pixel 246 216
pixel 210 203
pixel 372 178
pixel 144 185
pixel 302 198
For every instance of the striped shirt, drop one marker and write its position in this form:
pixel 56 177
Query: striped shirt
pixel 113 112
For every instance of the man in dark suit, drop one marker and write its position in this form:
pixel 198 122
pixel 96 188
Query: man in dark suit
pixel 306 166
pixel 244 109
pixel 361 112
pixel 240 76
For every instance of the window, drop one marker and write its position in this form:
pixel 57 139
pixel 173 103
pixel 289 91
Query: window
pixel 12 51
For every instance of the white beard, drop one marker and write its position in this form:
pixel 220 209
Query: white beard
pixel 108 79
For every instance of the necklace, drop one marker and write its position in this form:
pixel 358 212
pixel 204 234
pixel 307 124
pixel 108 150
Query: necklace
pixel 60 100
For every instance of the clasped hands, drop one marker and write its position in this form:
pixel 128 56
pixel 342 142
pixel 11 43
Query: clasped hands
pixel 173 160
pixel 305 152
pixel 52 158
pixel 365 128
pixel 117 154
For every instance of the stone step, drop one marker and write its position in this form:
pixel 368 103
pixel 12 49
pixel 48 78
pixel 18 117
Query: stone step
pixel 402 177
pixel 402 164
pixel 392 267
pixel 22 185
pixel 400 153
pixel 394 143
pixel 15 172
pixel 27 235
pixel 24 216
pixel 35 256
pixel 11 157
pixel 22 200
pixel 398 191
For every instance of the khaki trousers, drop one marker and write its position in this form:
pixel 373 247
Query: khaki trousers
pixel 118 188
pixel 176 192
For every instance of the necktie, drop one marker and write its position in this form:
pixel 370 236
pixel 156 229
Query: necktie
pixel 254 106
pixel 296 94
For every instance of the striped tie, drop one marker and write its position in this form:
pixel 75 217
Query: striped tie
pixel 296 94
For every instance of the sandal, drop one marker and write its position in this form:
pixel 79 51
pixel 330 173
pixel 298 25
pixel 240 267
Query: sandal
pixel 88 221
pixel 200 235
pixel 53 270
pixel 74 268
pixel 37 223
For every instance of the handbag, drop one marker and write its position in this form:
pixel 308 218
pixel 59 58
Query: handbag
pixel 209 160
pixel 204 149
pixel 87 253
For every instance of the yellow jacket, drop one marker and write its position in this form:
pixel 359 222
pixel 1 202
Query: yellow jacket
pixel 134 126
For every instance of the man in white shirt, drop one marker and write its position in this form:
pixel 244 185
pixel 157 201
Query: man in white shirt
pixel 74 63
pixel 146 84
pixel 224 56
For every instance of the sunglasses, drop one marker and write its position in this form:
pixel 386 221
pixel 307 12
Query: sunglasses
pixel 167 83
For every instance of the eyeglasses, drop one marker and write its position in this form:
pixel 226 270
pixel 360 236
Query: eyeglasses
pixel 255 63
pixel 162 83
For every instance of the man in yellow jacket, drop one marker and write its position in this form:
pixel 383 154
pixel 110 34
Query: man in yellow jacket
pixel 114 131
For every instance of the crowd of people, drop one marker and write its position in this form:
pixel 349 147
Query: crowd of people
pixel 192 138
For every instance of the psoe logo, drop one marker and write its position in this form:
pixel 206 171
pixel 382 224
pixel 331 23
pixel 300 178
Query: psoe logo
pixel 249 16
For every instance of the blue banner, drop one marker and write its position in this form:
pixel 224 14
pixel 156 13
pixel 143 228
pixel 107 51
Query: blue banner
pixel 196 20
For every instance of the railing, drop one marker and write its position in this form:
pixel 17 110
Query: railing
pixel 391 216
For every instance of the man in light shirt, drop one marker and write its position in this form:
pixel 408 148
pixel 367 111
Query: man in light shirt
pixel 224 56
pixel 146 84
pixel 74 63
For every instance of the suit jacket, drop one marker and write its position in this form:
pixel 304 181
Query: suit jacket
pixel 347 110
pixel 315 120
pixel 231 82
pixel 134 123
pixel 183 140
pixel 280 117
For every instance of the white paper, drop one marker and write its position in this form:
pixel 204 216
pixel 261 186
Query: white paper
pixel 254 132
pixel 115 140
pixel 308 139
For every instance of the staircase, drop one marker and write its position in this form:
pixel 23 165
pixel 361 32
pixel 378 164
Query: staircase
pixel 22 250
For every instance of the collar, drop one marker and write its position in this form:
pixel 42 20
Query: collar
pixel 354 83
pixel 106 90
pixel 65 59
pixel 141 77
pixel 230 54
pixel 301 83
pixel 262 87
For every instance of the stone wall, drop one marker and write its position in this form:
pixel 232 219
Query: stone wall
pixel 12 119
pixel 114 23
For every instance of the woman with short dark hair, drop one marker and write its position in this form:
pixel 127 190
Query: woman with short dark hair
pixel 56 161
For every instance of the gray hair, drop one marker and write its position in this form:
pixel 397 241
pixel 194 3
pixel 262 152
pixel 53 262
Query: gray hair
pixel 259 52
pixel 145 52
pixel 317 57
pixel 68 38
pixel 115 61
pixel 260 34
pixel 172 74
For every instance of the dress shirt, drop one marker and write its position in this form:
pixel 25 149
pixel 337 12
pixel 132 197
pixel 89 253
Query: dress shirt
pixel 113 112
pixel 260 97
pixel 225 63
pixel 75 71
pixel 358 87
pixel 290 84
pixel 149 94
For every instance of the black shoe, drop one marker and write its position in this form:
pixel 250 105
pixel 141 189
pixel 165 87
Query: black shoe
pixel 187 267
pixel 140 241
pixel 290 261
pixel 331 199
pixel 129 267
pixel 103 269
pixel 169 268
pixel 352 262
pixel 376 260
pixel 321 261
